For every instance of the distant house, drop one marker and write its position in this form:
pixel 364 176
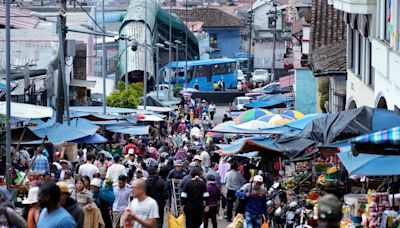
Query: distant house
pixel 223 30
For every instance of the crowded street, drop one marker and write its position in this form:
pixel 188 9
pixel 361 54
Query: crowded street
pixel 197 114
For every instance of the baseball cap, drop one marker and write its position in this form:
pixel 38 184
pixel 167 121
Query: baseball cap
pixel 131 151
pixel 329 208
pixel 68 172
pixel 63 187
pixel 258 178
pixel 178 163
pixel 116 156
pixel 197 157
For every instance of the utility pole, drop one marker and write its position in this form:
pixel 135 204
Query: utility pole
pixel 8 94
pixel 103 60
pixel 186 42
pixel 274 45
pixel 126 64
pixel 250 43
pixel 176 65
pixel 62 25
pixel 145 55
pixel 170 49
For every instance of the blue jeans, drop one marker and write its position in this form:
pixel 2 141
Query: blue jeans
pixel 253 221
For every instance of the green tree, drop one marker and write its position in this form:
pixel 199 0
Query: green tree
pixel 126 99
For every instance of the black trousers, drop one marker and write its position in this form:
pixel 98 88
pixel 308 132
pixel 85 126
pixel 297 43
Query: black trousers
pixel 230 201
pixel 212 214
pixel 194 217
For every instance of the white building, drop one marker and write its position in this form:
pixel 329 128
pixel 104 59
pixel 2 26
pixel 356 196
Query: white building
pixel 373 52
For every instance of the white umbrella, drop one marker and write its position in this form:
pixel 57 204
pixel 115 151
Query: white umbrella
pixel 27 111
pixel 253 125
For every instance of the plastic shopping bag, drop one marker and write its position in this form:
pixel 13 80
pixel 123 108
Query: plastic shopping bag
pixel 176 222
pixel 237 222
pixel 265 224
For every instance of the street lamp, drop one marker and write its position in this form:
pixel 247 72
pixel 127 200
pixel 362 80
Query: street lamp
pixel 129 42
pixel 178 42
pixel 158 46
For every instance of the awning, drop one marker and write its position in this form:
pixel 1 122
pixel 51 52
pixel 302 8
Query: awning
pixel 96 138
pixel 267 101
pixel 385 137
pixel 58 133
pixel 131 130
pixel 253 144
pixel 369 164
pixel 27 111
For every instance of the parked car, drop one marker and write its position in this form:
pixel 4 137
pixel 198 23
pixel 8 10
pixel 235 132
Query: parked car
pixel 271 88
pixel 239 103
pixel 260 75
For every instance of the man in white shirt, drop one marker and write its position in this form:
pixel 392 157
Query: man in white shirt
pixel 115 170
pixel 205 158
pixel 122 192
pixel 88 169
pixel 143 210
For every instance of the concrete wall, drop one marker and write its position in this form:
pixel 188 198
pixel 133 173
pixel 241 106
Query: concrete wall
pixel 228 42
pixel 357 91
pixel 263 54
pixel 305 88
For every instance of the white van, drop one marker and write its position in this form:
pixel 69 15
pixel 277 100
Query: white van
pixel 239 103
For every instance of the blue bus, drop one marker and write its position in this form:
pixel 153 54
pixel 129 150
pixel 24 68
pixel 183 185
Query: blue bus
pixel 202 74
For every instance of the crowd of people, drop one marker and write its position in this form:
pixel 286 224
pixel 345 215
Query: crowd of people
pixel 130 183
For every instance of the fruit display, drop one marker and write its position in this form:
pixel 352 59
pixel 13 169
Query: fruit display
pixel 302 179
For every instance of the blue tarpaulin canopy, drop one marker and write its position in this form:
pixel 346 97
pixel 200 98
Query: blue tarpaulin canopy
pixel 96 138
pixel 267 101
pixel 58 133
pixel 131 130
pixel 79 123
pixel 369 164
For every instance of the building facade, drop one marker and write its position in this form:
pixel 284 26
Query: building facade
pixel 373 52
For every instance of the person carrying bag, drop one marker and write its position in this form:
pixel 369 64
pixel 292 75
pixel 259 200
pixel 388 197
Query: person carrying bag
pixel 253 196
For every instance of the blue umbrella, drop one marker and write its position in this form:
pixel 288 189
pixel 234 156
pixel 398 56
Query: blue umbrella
pixel 369 164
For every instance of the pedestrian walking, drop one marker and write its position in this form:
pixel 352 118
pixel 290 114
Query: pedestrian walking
pixel 116 169
pixel 41 163
pixel 194 198
pixel 212 109
pixel 233 181
pixel 88 169
pixel 143 210
pixel 214 197
pixel 34 209
pixel 157 189
pixel 256 201
pixel 52 214
pixel 122 192
pixel 104 199
pixel 69 204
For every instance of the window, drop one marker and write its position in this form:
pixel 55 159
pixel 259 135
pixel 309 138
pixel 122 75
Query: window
pixel 204 71
pixel 213 40
pixel 370 74
pixel 360 63
pixel 353 49
pixel 388 23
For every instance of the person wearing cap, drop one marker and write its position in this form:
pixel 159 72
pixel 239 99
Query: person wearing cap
pixel 104 199
pixel 64 167
pixel 197 158
pixel 194 198
pixel 131 146
pixel 178 172
pixel 34 209
pixel 122 192
pixel 233 181
pixel 88 169
pixel 116 169
pixel 157 189
pixel 329 212
pixel 52 214
pixel 69 204
pixel 68 177
pixel 256 201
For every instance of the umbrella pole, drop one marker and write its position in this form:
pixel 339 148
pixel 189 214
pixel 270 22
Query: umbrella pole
pixel 393 200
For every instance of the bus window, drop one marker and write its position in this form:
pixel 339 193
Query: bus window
pixel 189 74
pixel 204 71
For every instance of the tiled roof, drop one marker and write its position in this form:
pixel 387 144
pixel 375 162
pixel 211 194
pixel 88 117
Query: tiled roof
pixel 327 25
pixel 212 18
pixel 330 58
pixel 20 18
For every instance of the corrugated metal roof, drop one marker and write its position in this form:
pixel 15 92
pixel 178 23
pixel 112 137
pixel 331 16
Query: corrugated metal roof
pixel 20 18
